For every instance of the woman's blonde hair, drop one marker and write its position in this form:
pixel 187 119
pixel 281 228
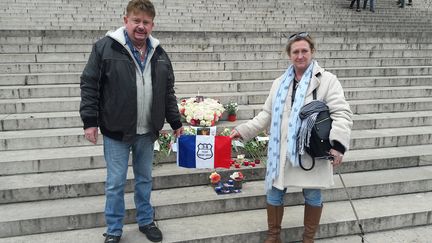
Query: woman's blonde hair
pixel 298 37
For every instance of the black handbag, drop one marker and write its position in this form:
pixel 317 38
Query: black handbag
pixel 319 143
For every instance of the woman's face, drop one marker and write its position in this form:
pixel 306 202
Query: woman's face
pixel 300 55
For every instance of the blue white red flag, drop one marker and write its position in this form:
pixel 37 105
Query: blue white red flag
pixel 204 151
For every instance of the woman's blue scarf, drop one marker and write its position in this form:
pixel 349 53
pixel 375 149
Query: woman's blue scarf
pixel 294 123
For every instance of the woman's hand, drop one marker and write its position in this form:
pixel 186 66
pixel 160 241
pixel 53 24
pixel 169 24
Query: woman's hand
pixel 337 157
pixel 235 134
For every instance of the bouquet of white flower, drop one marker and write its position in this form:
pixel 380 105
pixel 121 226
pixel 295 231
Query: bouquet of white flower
pixel 205 113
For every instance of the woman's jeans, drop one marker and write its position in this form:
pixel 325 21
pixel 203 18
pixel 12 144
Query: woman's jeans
pixel 117 156
pixel 312 197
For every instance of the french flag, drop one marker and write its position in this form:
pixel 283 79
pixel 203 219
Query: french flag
pixel 203 151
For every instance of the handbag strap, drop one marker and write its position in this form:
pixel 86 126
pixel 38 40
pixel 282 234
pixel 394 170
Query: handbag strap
pixel 314 94
pixel 304 168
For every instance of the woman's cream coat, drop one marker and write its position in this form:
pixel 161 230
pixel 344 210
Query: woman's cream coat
pixel 330 91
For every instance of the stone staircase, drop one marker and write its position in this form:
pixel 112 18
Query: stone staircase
pixel 52 179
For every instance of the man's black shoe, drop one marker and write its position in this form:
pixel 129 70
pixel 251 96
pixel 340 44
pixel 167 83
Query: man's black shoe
pixel 152 232
pixel 111 238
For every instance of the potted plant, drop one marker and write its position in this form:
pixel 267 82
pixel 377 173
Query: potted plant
pixel 231 108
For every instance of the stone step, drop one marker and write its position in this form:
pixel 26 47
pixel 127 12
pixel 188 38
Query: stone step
pixel 232 15
pixel 87 212
pixel 208 24
pixel 258 93
pixel 28 121
pixel 48 48
pixel 408 234
pixel 265 84
pixel 206 12
pixel 15 68
pixel 223 56
pixel 40 52
pixel 65 104
pixel 249 85
pixel 239 56
pixel 400 80
pixel 89 157
pixel 90 182
pixel 392 120
pixel 87 37
pixel 198 5
pixel 45 57
pixel 12 106
pixel 22 68
pixel 214 47
pixel 82 183
pixel 360 106
pixel 389 105
pixel 51 159
pixel 40 91
pixel 41 78
pixel 388 137
pixel 227 75
pixel 69 137
pixel 212 19
pixel 131 235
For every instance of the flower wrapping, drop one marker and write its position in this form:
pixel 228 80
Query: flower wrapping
pixel 237 176
pixel 214 178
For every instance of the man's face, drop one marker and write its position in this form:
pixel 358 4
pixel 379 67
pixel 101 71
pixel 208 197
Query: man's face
pixel 139 26
pixel 301 55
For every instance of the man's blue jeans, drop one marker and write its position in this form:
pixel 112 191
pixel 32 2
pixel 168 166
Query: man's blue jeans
pixel 117 156
pixel 312 197
pixel 371 4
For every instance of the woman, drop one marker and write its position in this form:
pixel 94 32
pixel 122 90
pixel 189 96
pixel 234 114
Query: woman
pixel 281 113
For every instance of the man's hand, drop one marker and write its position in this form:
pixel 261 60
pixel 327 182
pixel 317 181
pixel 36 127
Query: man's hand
pixel 91 134
pixel 178 132
pixel 337 157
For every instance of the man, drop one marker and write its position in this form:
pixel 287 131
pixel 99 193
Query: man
pixel 371 3
pixel 358 5
pixel 127 90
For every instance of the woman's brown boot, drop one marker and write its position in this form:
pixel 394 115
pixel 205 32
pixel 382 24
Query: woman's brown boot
pixel 312 216
pixel 274 220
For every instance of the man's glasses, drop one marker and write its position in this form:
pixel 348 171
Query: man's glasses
pixel 297 35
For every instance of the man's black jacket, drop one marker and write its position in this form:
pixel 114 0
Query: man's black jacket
pixel 109 92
